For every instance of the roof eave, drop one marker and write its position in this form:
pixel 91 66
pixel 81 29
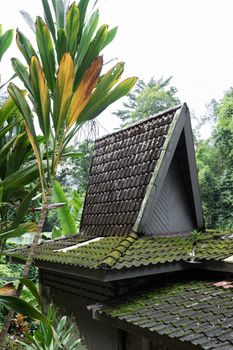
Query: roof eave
pixel 213 265
pixel 105 275
pixel 171 343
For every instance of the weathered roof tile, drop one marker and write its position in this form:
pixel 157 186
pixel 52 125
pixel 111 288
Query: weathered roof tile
pixel 170 310
pixel 121 169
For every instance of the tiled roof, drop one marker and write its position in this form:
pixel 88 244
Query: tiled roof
pixel 121 169
pixel 150 251
pixel 194 312
pixel 114 252
pixel 214 246
pixel 132 251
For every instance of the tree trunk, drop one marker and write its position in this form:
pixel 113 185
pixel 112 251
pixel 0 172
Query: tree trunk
pixel 26 269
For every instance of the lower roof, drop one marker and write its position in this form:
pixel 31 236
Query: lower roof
pixel 197 313
pixel 118 255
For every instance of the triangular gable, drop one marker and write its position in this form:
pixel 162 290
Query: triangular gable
pixel 123 170
pixel 172 203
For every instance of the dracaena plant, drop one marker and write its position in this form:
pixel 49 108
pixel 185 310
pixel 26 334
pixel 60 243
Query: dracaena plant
pixel 17 171
pixel 64 80
pixel 65 85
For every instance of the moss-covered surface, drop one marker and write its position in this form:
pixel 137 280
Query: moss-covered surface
pixel 194 311
pixel 132 251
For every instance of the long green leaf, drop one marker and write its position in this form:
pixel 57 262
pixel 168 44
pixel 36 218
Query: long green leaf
pixel 77 203
pixel 32 287
pixel 41 96
pixel 28 19
pixel 20 178
pixel 25 47
pixel 49 18
pixel 66 220
pixel 92 52
pixel 17 232
pixel 6 82
pixel 72 28
pixel 87 35
pixel 20 100
pixel 106 83
pixel 61 44
pixel 82 6
pixel 5 41
pixel 63 91
pixel 8 128
pixel 22 307
pixel 8 110
pixel 23 208
pixel 119 91
pixel 60 13
pixel 5 149
pixel 46 49
pixel 22 73
pixel 110 37
pixel 83 93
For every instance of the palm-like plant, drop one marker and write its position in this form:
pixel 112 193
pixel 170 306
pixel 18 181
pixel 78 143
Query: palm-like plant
pixel 64 85
pixel 17 171
pixel 63 80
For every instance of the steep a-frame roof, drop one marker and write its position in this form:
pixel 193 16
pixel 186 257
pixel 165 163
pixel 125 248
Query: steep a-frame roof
pixel 131 172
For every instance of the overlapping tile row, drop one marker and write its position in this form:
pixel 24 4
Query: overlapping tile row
pixel 88 256
pixel 121 169
pixel 114 252
pixel 158 250
pixel 218 248
pixel 194 312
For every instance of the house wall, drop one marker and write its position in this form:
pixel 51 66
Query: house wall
pixel 72 296
pixel 173 210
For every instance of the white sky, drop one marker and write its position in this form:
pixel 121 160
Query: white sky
pixel 189 40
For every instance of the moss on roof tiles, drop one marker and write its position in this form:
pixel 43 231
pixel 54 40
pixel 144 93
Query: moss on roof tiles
pixel 198 312
pixel 118 252
pixel 114 252
pixel 121 169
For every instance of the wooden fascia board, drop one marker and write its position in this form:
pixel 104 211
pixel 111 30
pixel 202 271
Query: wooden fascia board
pixel 193 173
pixel 213 265
pixel 150 270
pixel 171 343
pixel 113 275
pixel 161 169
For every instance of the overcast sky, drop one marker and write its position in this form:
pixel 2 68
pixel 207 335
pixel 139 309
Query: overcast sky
pixel 189 40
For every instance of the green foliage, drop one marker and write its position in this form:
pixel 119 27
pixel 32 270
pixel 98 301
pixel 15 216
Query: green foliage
pixel 60 338
pixel 66 218
pixel 21 306
pixel 61 86
pixel 5 41
pixel 215 164
pixel 148 99
pixel 74 170
pixel 62 78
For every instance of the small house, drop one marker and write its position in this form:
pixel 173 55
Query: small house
pixel 142 273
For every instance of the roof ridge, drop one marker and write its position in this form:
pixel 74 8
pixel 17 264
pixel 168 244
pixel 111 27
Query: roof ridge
pixel 112 258
pixel 165 111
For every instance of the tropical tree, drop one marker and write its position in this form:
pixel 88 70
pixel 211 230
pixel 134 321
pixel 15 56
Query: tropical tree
pixel 65 88
pixel 215 163
pixel 147 99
